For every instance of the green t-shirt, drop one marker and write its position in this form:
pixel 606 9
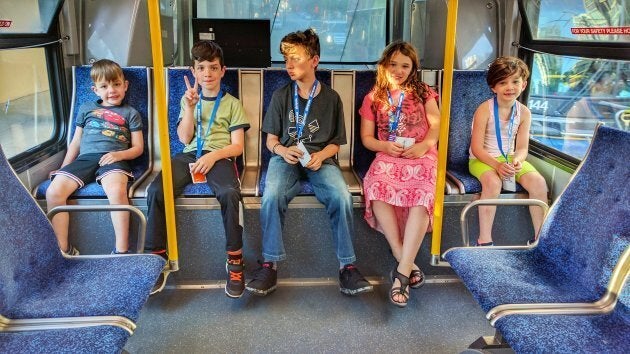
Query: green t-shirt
pixel 230 117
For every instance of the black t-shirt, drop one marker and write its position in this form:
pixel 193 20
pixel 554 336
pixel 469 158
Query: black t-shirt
pixel 324 123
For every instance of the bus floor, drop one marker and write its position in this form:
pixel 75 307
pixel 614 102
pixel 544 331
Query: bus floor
pixel 440 318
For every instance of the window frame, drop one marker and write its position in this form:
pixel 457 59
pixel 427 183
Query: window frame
pixel 59 97
pixel 586 49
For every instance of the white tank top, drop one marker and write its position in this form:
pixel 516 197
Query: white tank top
pixel 490 138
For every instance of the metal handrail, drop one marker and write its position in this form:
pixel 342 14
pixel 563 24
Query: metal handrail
pixel 464 214
pixel 142 227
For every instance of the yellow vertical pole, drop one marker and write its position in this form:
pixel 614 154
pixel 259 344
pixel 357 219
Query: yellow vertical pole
pixel 445 113
pixel 165 151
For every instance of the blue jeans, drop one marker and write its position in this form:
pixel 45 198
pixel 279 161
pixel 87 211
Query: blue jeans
pixel 283 183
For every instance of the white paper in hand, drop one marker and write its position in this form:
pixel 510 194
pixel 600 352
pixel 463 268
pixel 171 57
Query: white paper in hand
pixel 405 142
pixel 306 157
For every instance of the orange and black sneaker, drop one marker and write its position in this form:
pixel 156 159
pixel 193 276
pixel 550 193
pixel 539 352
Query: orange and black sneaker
pixel 235 279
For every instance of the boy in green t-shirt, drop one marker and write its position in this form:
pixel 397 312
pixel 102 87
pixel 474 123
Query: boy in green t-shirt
pixel 214 136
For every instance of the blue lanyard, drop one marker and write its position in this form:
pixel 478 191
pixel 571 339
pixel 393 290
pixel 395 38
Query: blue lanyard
pixel 200 140
pixel 299 124
pixel 394 118
pixel 498 128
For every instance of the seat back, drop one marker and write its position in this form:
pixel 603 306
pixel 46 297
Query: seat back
pixel 588 226
pixel 469 91
pixel 139 97
pixel 274 79
pixel 175 87
pixel 361 158
pixel 28 242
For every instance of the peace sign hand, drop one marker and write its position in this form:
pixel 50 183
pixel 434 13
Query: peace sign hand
pixel 191 95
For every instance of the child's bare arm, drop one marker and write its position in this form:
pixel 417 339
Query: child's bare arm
pixel 371 143
pixel 207 161
pixel 420 148
pixel 73 148
pixel 522 138
pixel 186 127
pixel 136 149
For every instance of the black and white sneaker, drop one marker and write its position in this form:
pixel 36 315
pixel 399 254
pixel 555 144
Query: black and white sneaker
pixel 351 282
pixel 265 280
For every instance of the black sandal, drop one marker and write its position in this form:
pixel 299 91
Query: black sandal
pixel 416 273
pixel 399 290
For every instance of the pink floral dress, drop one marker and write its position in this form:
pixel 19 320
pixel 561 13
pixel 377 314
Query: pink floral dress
pixel 398 181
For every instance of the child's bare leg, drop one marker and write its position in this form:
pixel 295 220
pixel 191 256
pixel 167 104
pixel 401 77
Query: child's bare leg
pixel 536 186
pixel 57 194
pixel 415 229
pixel 115 186
pixel 490 188
pixel 386 217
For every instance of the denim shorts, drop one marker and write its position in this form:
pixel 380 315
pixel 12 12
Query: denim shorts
pixel 85 169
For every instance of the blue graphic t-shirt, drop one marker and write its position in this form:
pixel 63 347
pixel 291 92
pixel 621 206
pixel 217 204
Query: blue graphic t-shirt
pixel 107 129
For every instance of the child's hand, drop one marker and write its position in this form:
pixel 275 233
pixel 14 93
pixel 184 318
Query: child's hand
pixel 292 155
pixel 191 95
pixel 315 162
pixel 203 165
pixel 110 157
pixel 505 170
pixel 517 166
pixel 415 151
pixel 393 148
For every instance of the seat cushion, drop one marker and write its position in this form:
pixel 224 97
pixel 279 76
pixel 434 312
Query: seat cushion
pixel 107 286
pixel 99 339
pixel 496 277
pixel 566 333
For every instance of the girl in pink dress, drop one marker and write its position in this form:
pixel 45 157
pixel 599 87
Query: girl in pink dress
pixel 401 123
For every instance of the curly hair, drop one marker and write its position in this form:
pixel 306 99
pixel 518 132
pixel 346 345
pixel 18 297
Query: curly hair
pixel 412 85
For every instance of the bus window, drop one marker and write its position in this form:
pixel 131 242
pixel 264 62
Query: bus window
pixel 579 20
pixel 26 116
pixel 349 31
pixel 569 96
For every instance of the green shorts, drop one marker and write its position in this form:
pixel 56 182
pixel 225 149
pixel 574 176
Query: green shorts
pixel 477 168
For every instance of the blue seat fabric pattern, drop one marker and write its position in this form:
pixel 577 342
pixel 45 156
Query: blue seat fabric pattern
pixel 578 244
pixel 176 88
pixel 470 89
pixel 273 80
pixel 85 340
pixel 568 333
pixel 361 157
pixel 36 281
pixel 136 96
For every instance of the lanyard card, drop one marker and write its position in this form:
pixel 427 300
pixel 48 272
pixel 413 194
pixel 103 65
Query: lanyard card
pixel 196 177
pixel 306 157
pixel 405 142
pixel 509 183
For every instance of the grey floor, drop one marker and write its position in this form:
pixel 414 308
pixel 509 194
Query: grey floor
pixel 440 318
